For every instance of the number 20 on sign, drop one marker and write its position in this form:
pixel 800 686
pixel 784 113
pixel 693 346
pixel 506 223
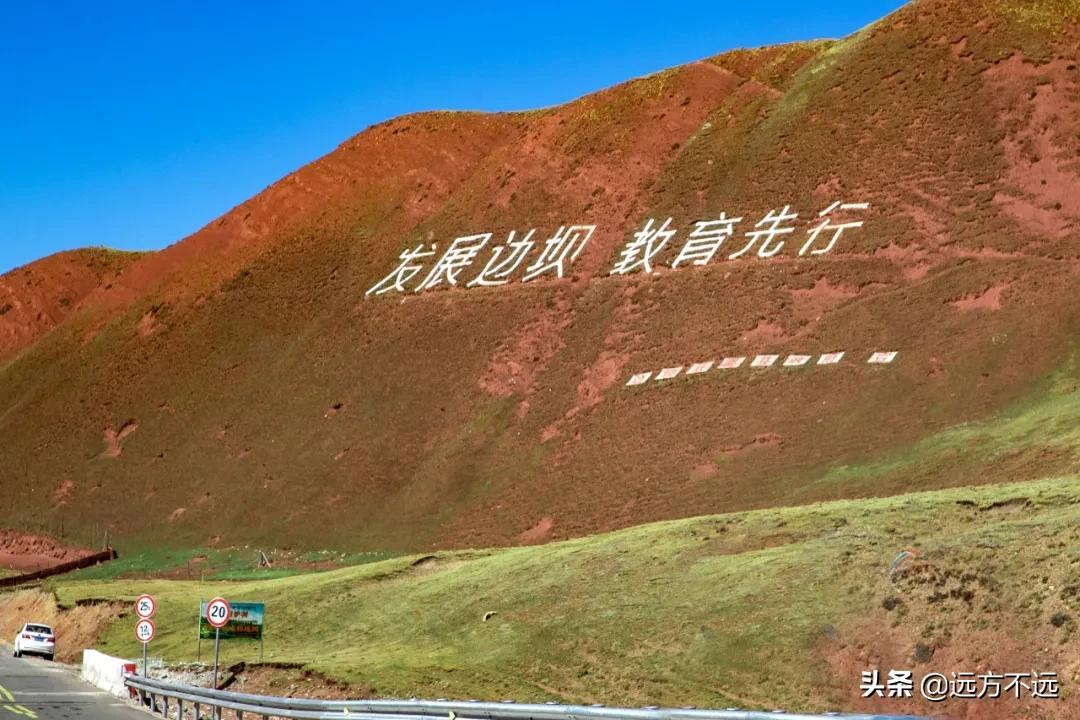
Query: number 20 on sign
pixel 218 614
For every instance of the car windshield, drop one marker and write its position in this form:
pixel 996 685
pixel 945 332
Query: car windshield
pixel 40 629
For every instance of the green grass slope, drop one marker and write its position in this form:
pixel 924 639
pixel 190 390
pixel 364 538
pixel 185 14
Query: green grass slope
pixel 765 608
pixel 775 607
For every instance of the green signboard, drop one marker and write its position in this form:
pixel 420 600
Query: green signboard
pixel 248 620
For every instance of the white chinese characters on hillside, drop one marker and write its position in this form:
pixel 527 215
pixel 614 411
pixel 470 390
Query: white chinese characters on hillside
pixel 421 268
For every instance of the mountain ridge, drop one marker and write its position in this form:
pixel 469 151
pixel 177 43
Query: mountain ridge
pixel 244 366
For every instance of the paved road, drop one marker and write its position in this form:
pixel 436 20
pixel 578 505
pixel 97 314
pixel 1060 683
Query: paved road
pixel 32 689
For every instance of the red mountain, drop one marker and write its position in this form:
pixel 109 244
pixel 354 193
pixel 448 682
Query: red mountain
pixel 242 386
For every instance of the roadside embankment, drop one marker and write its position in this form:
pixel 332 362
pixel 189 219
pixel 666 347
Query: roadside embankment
pixel 772 608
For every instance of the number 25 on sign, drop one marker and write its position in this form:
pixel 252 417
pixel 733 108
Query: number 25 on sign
pixel 145 606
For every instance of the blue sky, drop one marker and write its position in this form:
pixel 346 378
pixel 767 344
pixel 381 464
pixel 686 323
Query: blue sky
pixel 131 125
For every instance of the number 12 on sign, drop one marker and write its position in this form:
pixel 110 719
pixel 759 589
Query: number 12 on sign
pixel 144 633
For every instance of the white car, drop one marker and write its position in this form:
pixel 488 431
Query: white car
pixel 35 639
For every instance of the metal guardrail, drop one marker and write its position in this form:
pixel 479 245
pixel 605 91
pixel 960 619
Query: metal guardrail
pixel 159 696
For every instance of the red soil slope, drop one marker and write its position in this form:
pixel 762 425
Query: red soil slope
pixel 27 552
pixel 37 297
pixel 239 386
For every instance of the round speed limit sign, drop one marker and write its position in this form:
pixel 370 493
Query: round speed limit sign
pixel 144 630
pixel 145 606
pixel 218 612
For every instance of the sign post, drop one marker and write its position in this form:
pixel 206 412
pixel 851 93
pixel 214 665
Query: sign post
pixel 198 631
pixel 145 631
pixel 145 608
pixel 218 614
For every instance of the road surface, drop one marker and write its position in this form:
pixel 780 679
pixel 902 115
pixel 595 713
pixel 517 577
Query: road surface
pixel 32 689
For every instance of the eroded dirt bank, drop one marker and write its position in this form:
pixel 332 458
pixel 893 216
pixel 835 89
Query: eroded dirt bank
pixel 77 628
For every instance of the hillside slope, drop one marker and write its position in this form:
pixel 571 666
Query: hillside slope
pixel 246 367
pixel 37 297
pixel 771 608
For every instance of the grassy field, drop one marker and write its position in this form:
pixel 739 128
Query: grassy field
pixel 219 564
pixel 1041 428
pixel 674 612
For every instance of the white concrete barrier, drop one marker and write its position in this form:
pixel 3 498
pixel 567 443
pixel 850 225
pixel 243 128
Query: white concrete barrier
pixel 106 672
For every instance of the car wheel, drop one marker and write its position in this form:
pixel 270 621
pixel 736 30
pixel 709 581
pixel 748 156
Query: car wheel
pixel 49 658
pixel 17 653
